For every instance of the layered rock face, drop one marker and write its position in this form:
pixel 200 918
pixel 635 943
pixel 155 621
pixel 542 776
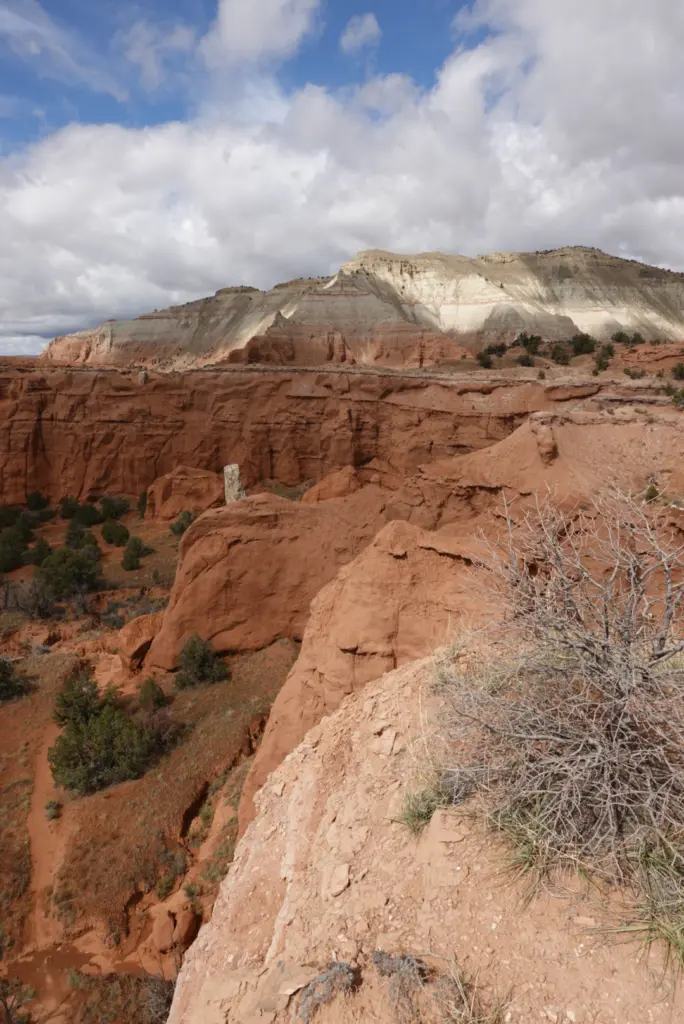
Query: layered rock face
pixel 87 432
pixel 395 310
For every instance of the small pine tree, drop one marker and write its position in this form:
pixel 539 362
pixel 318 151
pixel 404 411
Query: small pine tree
pixel 113 507
pixel 185 519
pixel 151 697
pixel 197 664
pixel 115 533
pixel 35 502
pixel 12 683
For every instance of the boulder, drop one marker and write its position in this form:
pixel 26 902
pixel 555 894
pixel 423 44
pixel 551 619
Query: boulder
pixel 163 929
pixel 187 926
pixel 247 572
pixel 185 488
pixel 336 485
pixel 135 638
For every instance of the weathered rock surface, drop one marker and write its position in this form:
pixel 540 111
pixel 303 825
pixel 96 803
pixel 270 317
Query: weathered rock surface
pixel 247 573
pixel 336 485
pixel 135 638
pixel 329 815
pixel 397 310
pixel 407 593
pixel 185 488
pixel 85 432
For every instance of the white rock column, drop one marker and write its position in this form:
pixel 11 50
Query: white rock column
pixel 233 484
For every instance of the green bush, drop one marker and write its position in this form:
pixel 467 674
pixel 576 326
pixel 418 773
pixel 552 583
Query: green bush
pixel 46 514
pixel 66 572
pixel 8 515
pixel 142 504
pixel 12 550
pixel 12 683
pixel 115 533
pixel 100 745
pixel 38 553
pixel 652 493
pixel 135 550
pixel 88 515
pixel 113 507
pixel 637 339
pixel 583 345
pixel 525 360
pixel 185 519
pixel 197 664
pixel 530 342
pixel 678 371
pixel 634 372
pixel 68 508
pixel 496 350
pixel 485 361
pixel 151 696
pixel 560 354
pixel 35 502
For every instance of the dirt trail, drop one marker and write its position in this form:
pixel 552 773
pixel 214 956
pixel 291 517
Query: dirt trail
pixel 47 840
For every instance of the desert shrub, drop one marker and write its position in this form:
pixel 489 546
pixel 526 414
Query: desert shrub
pixel 541 375
pixel 36 502
pixel 620 338
pixel 115 533
pixel 582 345
pixel 8 515
pixel 88 515
pixel 142 504
pixel 12 683
pixel 530 342
pixel 53 810
pixel 498 349
pixel 135 550
pixel 34 599
pixel 576 735
pixel 525 360
pixel 22 528
pixel 560 354
pixel 66 572
pixel 68 508
pixel 38 553
pixel 12 550
pixel 678 371
pixel 634 372
pixel 678 398
pixel 652 493
pixel 101 745
pixel 14 996
pixel 485 360
pixel 135 999
pixel 185 519
pixel 637 339
pixel 419 808
pixel 337 979
pixel 151 697
pixel 113 507
pixel 197 664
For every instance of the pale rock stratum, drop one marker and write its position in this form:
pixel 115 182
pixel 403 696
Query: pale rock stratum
pixel 395 310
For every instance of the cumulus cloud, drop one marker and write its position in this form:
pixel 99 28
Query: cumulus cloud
pixel 258 29
pixel 362 31
pixel 52 50
pixel 561 127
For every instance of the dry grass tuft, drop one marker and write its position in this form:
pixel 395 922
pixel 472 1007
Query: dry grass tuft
pixel 577 739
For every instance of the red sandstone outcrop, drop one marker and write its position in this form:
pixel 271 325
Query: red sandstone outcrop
pixel 185 488
pixel 336 485
pixel 247 573
pixel 135 638
pixel 327 872
pixel 87 433
pixel 407 593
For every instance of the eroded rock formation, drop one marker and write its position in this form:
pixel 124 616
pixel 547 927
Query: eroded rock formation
pixel 395 310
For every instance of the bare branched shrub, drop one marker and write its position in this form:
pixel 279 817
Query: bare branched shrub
pixel 337 979
pixel 578 739
pixel 419 993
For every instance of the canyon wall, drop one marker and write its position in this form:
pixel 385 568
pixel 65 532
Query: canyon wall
pixel 86 432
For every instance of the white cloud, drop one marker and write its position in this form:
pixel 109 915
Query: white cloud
pixel 253 30
pixel 151 47
pixel 362 31
pixel 53 51
pixel 22 345
pixel 562 127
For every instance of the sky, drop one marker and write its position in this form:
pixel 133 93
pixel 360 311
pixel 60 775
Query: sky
pixel 153 152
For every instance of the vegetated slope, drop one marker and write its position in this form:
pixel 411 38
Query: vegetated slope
pixel 395 310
